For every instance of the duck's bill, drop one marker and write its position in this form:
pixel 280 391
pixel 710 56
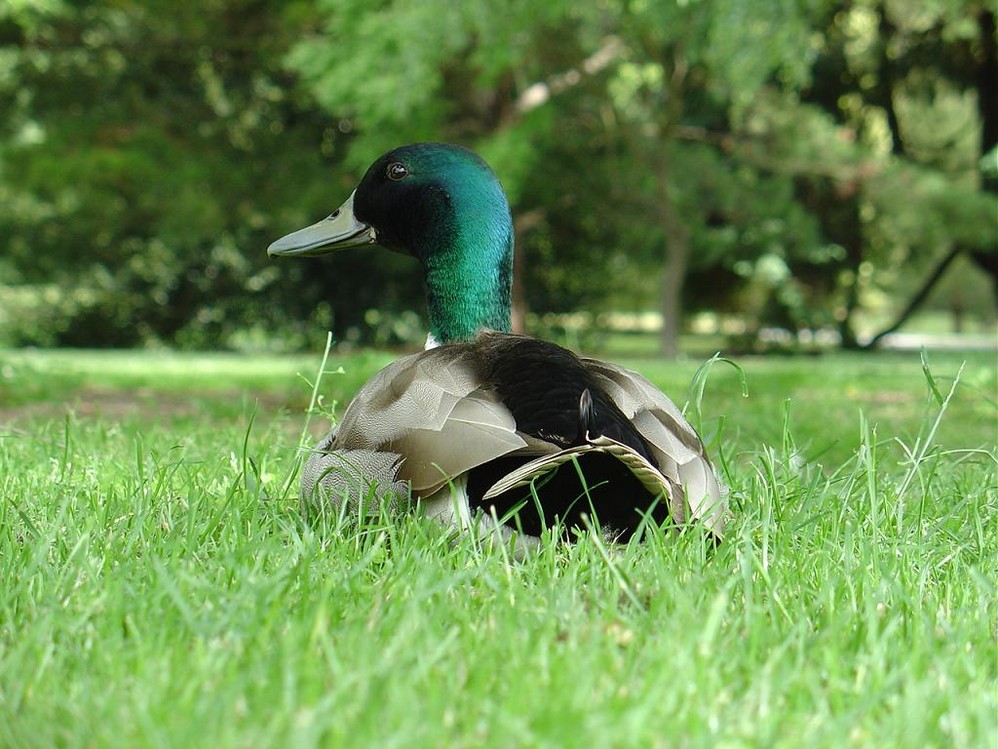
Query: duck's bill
pixel 338 231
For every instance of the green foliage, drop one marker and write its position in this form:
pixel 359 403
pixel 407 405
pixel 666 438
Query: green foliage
pixel 130 161
pixel 815 159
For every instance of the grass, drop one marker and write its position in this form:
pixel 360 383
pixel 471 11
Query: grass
pixel 160 589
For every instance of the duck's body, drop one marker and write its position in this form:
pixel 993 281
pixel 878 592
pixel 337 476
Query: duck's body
pixel 489 427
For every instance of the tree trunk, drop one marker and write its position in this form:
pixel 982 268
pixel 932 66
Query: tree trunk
pixel 677 233
pixel 886 77
pixel 847 334
pixel 987 91
pixel 835 203
pixel 522 224
pixel 677 251
pixel 987 109
pixel 916 300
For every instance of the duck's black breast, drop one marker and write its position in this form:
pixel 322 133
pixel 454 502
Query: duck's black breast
pixel 595 489
pixel 553 397
pixel 551 394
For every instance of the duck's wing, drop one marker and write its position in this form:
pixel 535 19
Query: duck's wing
pixel 361 480
pixel 432 411
pixel 428 418
pixel 677 448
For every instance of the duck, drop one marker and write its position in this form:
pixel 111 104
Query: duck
pixel 485 430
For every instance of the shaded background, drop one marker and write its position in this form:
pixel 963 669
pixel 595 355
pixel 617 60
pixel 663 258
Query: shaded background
pixel 774 172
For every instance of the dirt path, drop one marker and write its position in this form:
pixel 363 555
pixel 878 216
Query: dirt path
pixel 150 404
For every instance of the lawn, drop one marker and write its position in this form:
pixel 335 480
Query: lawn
pixel 160 589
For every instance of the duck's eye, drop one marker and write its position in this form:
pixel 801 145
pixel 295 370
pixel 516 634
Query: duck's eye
pixel 396 171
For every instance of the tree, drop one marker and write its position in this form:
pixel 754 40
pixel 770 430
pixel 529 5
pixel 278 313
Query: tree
pixel 464 71
pixel 795 164
pixel 897 75
pixel 146 153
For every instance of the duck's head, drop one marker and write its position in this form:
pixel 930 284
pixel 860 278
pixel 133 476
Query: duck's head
pixel 443 205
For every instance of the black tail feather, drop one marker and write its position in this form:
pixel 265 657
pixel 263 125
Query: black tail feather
pixel 596 486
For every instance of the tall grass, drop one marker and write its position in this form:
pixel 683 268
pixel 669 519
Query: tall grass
pixel 159 587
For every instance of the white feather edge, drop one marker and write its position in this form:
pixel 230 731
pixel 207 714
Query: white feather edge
pixel 649 476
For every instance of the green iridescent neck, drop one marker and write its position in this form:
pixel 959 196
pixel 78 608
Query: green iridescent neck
pixel 467 257
pixel 463 301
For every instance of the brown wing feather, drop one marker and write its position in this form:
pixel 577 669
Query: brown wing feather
pixel 677 447
pixel 477 430
pixel 416 391
pixel 431 408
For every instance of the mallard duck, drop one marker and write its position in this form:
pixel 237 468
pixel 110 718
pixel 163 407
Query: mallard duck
pixel 486 429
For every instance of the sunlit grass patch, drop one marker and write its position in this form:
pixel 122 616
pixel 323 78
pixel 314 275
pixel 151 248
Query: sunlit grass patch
pixel 161 588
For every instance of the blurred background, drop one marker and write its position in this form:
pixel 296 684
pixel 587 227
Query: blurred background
pixel 778 174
